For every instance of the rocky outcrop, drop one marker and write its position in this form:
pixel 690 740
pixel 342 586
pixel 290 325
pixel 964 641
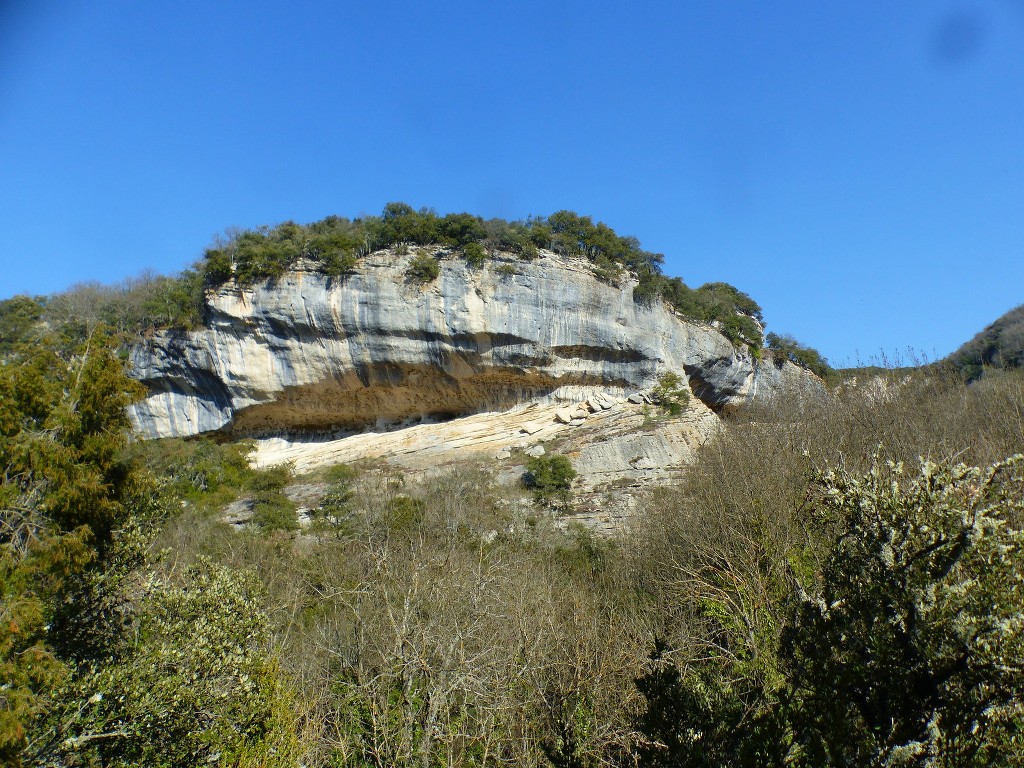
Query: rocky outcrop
pixel 307 353
pixel 618 451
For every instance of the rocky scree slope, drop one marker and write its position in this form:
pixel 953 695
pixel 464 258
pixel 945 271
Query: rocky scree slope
pixel 307 354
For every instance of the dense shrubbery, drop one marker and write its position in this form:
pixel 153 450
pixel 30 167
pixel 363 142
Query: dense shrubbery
pixel 185 680
pixel 788 348
pixel 889 646
pixel 335 244
pixel 807 618
pixel 200 472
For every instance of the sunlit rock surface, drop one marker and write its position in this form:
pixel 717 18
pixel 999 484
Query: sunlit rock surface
pixel 309 354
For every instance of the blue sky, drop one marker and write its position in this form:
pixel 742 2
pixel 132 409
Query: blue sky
pixel 858 168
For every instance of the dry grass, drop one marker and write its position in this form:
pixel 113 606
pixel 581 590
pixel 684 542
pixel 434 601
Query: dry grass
pixel 463 636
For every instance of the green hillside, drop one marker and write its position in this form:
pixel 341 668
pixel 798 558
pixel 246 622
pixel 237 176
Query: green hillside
pixel 999 347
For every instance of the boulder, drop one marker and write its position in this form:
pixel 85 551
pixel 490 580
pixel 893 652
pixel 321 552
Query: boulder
pixel 564 415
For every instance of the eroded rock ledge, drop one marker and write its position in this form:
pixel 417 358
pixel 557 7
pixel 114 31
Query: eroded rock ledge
pixel 310 353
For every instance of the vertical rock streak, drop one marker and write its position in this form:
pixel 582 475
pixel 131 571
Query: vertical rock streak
pixel 307 352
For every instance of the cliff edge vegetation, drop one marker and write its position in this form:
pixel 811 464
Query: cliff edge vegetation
pixel 334 246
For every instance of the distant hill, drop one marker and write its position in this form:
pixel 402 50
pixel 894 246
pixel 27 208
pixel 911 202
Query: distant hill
pixel 999 346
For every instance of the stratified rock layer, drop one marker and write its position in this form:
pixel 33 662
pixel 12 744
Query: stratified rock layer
pixel 618 451
pixel 309 353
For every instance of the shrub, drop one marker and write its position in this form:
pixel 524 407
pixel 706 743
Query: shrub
pixel 335 263
pixel 606 270
pixel 550 476
pixel 423 268
pixel 734 313
pixel 205 473
pixel 788 348
pixel 671 393
pixel 403 513
pixel 528 251
pixel 190 682
pixel 475 254
pixel 272 509
pixel 889 646
pixel 336 509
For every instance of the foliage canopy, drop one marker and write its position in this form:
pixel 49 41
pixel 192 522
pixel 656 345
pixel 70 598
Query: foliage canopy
pixel 89 631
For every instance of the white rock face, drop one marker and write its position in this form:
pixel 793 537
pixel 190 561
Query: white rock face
pixel 308 353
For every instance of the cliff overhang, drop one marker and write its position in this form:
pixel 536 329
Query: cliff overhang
pixel 309 353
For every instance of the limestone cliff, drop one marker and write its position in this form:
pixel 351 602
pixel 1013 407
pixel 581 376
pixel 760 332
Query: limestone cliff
pixel 311 353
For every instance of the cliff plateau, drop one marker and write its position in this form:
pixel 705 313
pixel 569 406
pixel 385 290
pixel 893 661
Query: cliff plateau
pixel 311 354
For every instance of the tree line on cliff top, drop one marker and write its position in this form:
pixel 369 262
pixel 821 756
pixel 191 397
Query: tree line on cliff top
pixel 334 246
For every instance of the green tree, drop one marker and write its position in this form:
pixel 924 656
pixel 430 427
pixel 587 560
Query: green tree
pixel 65 489
pixel 64 425
pixel 475 254
pixel 102 661
pixel 19 317
pixel 461 229
pixel 423 268
pixel 217 267
pixel 671 393
pixel 550 476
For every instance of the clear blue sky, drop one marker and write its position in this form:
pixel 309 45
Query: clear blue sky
pixel 856 167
